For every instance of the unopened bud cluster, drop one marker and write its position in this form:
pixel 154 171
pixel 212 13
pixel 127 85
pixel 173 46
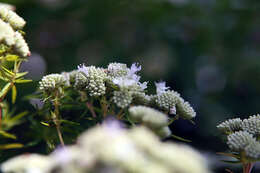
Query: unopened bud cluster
pixel 243 136
pixel 109 148
pixel 10 32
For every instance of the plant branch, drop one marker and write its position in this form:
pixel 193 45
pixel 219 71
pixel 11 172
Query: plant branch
pixel 57 120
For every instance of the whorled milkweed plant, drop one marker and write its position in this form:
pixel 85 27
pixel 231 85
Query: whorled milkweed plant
pixel 243 140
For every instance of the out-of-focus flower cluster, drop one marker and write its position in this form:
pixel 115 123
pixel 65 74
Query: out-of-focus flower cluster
pixel 118 88
pixel 243 137
pixel 11 35
pixel 110 148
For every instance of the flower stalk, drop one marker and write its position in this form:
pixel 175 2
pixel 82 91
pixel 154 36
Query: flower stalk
pixel 57 120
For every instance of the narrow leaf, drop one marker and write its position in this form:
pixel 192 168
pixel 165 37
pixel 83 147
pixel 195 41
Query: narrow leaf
pixel 4 78
pixel 180 138
pixel 5 89
pixel 18 75
pixel 228 154
pixel 7 71
pixel 45 124
pixel 11 146
pixel 14 94
pixel 19 116
pixel 7 135
pixel 230 161
pixel 11 57
pixel 69 122
pixel 23 80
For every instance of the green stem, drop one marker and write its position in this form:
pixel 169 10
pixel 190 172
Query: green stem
pixel 57 120
pixel 104 106
pixel 12 81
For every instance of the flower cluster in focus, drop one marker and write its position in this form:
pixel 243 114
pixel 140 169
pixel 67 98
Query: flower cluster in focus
pixel 243 137
pixel 117 90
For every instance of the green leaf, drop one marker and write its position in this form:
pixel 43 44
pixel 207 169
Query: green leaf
pixel 5 89
pixel 7 135
pixel 4 78
pixel 229 155
pixel 69 122
pixel 23 80
pixel 231 162
pixel 19 116
pixel 45 124
pixel 11 146
pixel 180 138
pixel 18 75
pixel 7 71
pixel 11 57
pixel 14 94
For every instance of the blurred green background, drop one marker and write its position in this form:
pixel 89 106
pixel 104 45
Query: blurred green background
pixel 208 50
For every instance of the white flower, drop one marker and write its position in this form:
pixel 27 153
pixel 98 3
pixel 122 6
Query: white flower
pixel 20 45
pixel 143 85
pixel 6 33
pixel 124 82
pixel 131 78
pixel 82 68
pixel 173 110
pixel 161 87
pixel 117 70
pixel 134 69
pixel 8 6
pixel 27 163
pixel 12 18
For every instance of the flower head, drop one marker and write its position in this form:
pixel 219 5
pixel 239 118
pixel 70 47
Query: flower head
pixel 161 87
pixel 12 18
pixel 230 125
pixel 239 140
pixel 52 81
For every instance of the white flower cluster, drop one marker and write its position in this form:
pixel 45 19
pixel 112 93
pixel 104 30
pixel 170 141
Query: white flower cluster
pixel 252 125
pixel 51 82
pixel 95 80
pixel 239 140
pixel 172 102
pixel 230 126
pixel 155 120
pixel 12 18
pixel 109 148
pixel 242 135
pixel 8 6
pixel 121 88
pixel 10 22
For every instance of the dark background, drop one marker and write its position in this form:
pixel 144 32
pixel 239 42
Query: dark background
pixel 208 50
